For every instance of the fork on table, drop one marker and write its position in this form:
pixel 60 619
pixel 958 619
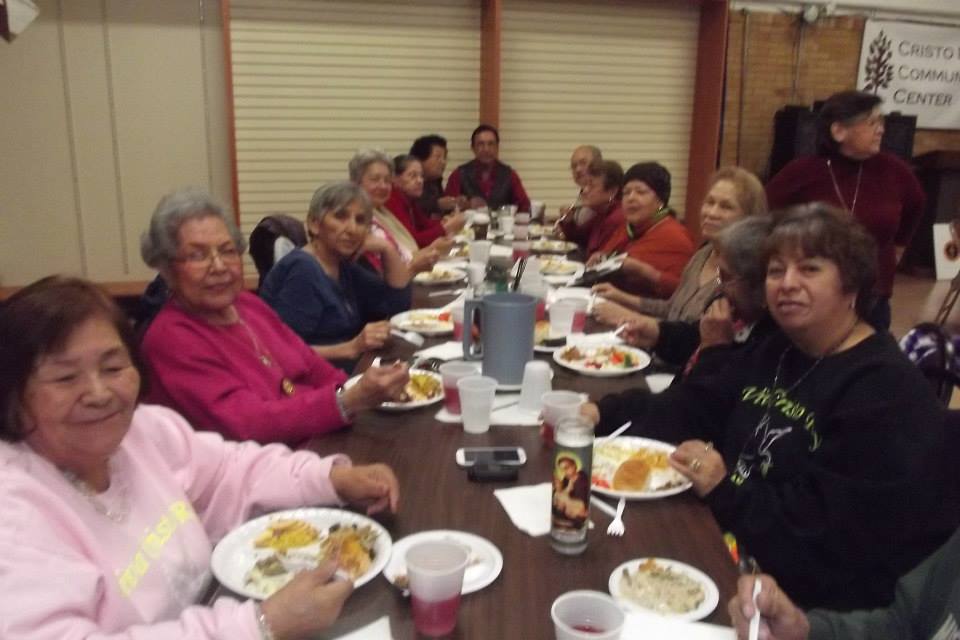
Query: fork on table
pixel 616 527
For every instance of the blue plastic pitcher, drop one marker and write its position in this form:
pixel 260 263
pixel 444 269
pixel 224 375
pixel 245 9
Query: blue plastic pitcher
pixel 506 322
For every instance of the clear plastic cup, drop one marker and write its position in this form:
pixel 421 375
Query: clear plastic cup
pixel 579 313
pixel 450 372
pixel 536 382
pixel 506 225
pixel 476 273
pixel 435 570
pixel 587 615
pixel 476 402
pixel 556 406
pixel 456 314
pixel 561 317
pixel 480 251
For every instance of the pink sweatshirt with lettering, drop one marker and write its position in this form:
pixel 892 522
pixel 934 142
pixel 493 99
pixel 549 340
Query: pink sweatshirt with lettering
pixel 67 571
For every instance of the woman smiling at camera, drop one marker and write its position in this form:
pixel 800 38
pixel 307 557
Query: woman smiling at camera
pixel 827 462
pixel 110 508
pixel 323 295
pixel 372 170
pixel 220 355
pixel 657 246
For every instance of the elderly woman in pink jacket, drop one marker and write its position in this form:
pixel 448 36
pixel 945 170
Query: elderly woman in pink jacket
pixel 110 508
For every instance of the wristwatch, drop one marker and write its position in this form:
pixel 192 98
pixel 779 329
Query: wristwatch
pixel 341 407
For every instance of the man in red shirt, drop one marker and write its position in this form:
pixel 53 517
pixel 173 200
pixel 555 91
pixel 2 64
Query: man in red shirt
pixel 486 180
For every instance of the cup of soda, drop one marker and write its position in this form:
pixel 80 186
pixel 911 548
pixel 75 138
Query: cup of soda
pixel 435 571
pixel 587 615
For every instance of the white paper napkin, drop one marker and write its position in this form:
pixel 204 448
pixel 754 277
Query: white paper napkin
pixel 506 413
pixel 528 507
pixel 445 351
pixel 659 381
pixel 650 626
pixel 377 630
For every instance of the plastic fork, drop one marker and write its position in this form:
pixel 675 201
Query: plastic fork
pixel 616 527
pixel 410 336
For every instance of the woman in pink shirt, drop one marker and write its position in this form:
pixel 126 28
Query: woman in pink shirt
pixel 110 508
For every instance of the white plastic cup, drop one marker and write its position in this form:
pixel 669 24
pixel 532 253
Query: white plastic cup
pixel 506 225
pixel 587 615
pixel 536 382
pixel 476 273
pixel 480 251
pixel 450 373
pixel 561 317
pixel 456 314
pixel 522 218
pixel 558 405
pixel 579 313
pixel 476 402
pixel 537 208
pixel 435 571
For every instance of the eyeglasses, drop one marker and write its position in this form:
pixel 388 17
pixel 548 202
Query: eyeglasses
pixel 724 278
pixel 204 259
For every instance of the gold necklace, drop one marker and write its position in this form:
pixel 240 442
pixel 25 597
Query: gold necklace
pixel 265 358
pixel 836 186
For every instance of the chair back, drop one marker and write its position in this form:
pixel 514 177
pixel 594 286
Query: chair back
pixel 272 238
pixel 937 354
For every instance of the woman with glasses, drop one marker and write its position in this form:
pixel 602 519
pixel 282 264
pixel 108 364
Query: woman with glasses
pixel 851 172
pixel 222 357
pixel 820 446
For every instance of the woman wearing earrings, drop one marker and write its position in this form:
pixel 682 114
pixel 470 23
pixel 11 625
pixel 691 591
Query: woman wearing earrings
pixel 851 172
pixel 657 246
pixel 829 464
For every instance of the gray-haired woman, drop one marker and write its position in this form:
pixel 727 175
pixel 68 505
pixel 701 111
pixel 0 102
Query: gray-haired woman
pixel 736 311
pixel 323 294
pixel 372 170
pixel 222 357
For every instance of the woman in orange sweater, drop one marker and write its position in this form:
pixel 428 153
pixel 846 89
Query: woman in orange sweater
pixel 657 246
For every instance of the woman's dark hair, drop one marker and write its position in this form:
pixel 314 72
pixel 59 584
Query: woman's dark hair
pixel 844 107
pixel 820 230
pixel 423 146
pixel 38 320
pixel 402 161
pixel 610 171
pixel 481 129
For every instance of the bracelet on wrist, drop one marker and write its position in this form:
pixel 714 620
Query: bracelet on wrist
pixel 266 633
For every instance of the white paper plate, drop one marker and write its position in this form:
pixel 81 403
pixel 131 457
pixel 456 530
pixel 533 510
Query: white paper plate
pixel 234 555
pixel 664 482
pixel 641 358
pixel 710 591
pixel 440 275
pixel 484 566
pixel 406 406
pixel 609 265
pixel 425 321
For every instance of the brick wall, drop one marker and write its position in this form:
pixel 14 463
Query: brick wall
pixel 828 52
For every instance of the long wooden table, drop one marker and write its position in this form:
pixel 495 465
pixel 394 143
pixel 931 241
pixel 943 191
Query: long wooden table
pixel 435 494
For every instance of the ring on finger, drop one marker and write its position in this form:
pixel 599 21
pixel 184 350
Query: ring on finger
pixel 696 464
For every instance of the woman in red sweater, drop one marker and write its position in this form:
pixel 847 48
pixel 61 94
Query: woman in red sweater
pixel 657 246
pixel 407 189
pixel 851 171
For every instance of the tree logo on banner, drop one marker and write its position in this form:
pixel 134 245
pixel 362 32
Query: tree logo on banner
pixel 878 70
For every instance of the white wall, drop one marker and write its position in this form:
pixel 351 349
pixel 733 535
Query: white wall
pixel 108 105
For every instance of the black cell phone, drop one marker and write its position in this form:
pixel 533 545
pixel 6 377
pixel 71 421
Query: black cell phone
pixel 505 456
pixel 485 472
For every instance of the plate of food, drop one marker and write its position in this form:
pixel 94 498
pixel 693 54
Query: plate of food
pixel 603 360
pixel 666 587
pixel 440 275
pixel 262 555
pixel 552 246
pixel 425 388
pixel 429 322
pixel 542 342
pixel 636 469
pixel 484 562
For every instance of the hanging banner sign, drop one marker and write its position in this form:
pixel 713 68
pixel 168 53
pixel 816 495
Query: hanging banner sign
pixel 915 68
